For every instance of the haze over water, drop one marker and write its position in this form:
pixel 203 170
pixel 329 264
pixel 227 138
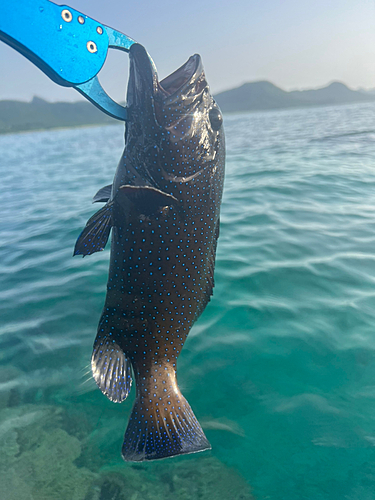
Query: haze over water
pixel 280 368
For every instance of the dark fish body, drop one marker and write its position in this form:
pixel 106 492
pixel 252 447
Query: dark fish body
pixel 163 208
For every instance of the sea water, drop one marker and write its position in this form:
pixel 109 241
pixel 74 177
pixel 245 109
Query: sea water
pixel 279 369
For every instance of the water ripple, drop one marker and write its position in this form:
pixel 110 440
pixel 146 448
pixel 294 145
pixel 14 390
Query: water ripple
pixel 285 351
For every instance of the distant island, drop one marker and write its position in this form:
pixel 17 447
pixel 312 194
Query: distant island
pixel 17 116
pixel 259 96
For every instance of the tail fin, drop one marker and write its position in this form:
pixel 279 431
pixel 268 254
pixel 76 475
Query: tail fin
pixel 161 427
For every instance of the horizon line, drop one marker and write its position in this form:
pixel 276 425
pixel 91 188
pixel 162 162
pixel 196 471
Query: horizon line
pixel 82 99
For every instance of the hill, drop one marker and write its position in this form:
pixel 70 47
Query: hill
pixel 17 116
pixel 257 96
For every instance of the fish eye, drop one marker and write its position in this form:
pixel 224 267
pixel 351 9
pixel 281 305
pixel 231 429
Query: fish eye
pixel 216 118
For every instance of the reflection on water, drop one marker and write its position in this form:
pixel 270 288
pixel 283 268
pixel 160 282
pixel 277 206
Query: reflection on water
pixel 280 368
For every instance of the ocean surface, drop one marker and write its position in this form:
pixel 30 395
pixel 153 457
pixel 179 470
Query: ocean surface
pixel 279 369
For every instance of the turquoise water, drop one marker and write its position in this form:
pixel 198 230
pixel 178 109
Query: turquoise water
pixel 280 368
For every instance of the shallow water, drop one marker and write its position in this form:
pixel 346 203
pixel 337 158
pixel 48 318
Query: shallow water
pixel 280 368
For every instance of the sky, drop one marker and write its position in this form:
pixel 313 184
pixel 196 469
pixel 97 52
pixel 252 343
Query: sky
pixel 295 44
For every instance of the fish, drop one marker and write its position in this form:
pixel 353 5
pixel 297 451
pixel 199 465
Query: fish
pixel 163 209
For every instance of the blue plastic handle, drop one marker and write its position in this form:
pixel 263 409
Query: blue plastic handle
pixel 69 47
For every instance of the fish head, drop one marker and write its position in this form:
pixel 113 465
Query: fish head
pixel 175 130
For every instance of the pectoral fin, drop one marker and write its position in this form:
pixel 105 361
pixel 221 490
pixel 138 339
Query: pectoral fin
pixel 148 200
pixel 95 235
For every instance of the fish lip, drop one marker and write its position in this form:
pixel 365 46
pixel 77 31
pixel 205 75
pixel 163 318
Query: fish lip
pixel 179 93
pixel 186 74
pixel 144 82
pixel 142 76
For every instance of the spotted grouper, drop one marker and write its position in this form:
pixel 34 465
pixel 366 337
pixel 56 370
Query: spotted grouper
pixel 163 208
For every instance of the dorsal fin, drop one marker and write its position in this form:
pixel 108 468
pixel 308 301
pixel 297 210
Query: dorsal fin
pixel 210 281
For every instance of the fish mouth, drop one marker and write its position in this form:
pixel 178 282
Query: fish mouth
pixel 142 77
pixel 171 97
pixel 181 79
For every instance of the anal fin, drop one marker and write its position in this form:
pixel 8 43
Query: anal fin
pixel 111 369
pixel 96 232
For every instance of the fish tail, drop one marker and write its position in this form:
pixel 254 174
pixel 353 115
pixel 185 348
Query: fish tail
pixel 162 425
